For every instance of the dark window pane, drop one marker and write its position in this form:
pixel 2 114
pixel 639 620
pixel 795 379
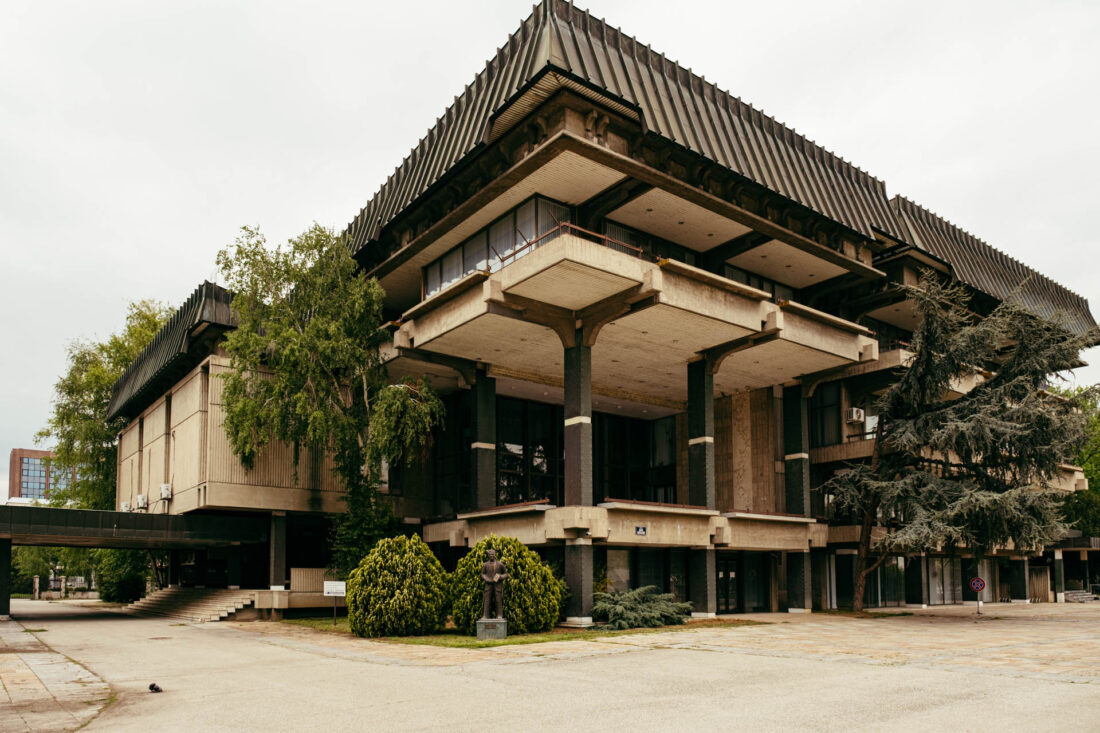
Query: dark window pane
pixel 502 240
pixel 551 215
pixel 473 253
pixel 452 266
pixel 431 278
pixel 525 223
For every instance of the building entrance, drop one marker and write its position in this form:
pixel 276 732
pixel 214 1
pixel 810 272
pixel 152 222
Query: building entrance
pixel 744 582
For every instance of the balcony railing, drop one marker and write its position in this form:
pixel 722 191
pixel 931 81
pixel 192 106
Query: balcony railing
pixel 567 228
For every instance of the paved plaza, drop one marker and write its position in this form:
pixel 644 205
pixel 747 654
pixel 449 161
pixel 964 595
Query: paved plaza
pixel 1018 667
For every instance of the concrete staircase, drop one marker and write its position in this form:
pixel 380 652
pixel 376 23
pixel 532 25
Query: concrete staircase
pixel 1078 596
pixel 193 604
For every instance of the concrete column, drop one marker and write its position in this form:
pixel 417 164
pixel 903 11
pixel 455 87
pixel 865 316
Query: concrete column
pixel 796 451
pixel 1020 577
pixel 5 578
pixel 233 567
pixel 173 568
pixel 277 571
pixel 799 582
pixel 200 568
pixel 483 448
pixel 700 435
pixel 703 582
pixel 35 589
pixel 578 576
pixel 924 581
pixel 1059 578
pixel 578 427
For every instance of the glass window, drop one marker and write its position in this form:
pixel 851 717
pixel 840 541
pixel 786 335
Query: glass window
pixel 825 415
pixel 525 223
pixel 502 240
pixel 551 215
pixel 431 279
pixel 452 266
pixel 473 253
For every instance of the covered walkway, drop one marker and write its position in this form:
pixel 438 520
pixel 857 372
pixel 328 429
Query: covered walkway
pixel 56 527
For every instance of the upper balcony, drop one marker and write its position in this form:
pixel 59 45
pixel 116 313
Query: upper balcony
pixel 644 319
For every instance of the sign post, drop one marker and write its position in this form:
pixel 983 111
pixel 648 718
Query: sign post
pixel 978 585
pixel 336 589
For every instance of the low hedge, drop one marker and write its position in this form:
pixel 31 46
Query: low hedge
pixel 399 589
pixel 532 595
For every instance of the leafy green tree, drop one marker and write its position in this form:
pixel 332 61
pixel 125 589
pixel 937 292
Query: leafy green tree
pixel 82 438
pixel 1081 509
pixel 121 574
pixel 532 595
pixel 399 589
pixel 967 472
pixel 307 370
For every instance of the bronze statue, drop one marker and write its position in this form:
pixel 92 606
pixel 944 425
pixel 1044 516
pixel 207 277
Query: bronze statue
pixel 493 573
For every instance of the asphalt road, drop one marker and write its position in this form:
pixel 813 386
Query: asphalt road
pixel 817 673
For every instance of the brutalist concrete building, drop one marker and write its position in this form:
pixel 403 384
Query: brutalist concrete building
pixel 657 317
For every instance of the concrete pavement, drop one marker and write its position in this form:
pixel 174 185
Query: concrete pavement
pixel 1018 668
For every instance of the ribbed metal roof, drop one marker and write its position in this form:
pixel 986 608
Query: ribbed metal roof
pixel 988 269
pixel 671 102
pixel 168 356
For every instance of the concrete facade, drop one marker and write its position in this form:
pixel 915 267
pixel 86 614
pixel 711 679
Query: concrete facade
pixel 650 359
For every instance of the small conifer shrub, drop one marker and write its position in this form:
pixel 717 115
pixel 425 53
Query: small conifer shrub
pixel 399 589
pixel 532 595
pixel 638 608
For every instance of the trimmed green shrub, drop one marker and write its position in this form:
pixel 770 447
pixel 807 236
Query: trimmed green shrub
pixel 638 608
pixel 531 592
pixel 399 589
pixel 120 574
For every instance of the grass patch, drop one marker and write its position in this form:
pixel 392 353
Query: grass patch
pixel 453 639
pixel 862 614
pixel 33 631
pixel 23 596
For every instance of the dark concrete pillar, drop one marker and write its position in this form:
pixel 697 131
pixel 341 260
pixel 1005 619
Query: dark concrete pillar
pixel 1059 578
pixel 277 544
pixel 924 581
pixel 796 451
pixel 233 567
pixel 700 435
pixel 703 581
pixel 200 568
pixel 174 568
pixel 578 576
pixel 578 425
pixel 483 448
pixel 799 582
pixel 5 578
pixel 1020 578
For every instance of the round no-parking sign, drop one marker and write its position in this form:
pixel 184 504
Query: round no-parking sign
pixel 977 585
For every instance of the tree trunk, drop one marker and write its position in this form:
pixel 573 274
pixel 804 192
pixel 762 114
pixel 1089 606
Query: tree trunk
pixel 862 555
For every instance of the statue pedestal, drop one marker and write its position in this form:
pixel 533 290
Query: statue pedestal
pixel 491 628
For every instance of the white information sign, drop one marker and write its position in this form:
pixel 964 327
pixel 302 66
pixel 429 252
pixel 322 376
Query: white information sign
pixel 337 588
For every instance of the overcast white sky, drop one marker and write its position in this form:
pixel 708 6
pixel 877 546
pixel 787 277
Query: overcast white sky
pixel 136 137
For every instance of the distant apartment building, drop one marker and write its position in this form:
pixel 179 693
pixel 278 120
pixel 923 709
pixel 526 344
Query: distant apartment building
pixel 29 477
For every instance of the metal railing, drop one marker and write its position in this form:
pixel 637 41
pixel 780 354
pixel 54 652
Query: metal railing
pixel 567 228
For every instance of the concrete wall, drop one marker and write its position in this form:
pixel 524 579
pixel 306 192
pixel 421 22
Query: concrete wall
pixel 180 440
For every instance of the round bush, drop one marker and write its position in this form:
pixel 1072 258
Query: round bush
pixel 531 592
pixel 399 589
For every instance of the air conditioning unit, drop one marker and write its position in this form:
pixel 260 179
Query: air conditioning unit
pixel 142 502
pixel 855 414
pixel 125 506
pixel 166 491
